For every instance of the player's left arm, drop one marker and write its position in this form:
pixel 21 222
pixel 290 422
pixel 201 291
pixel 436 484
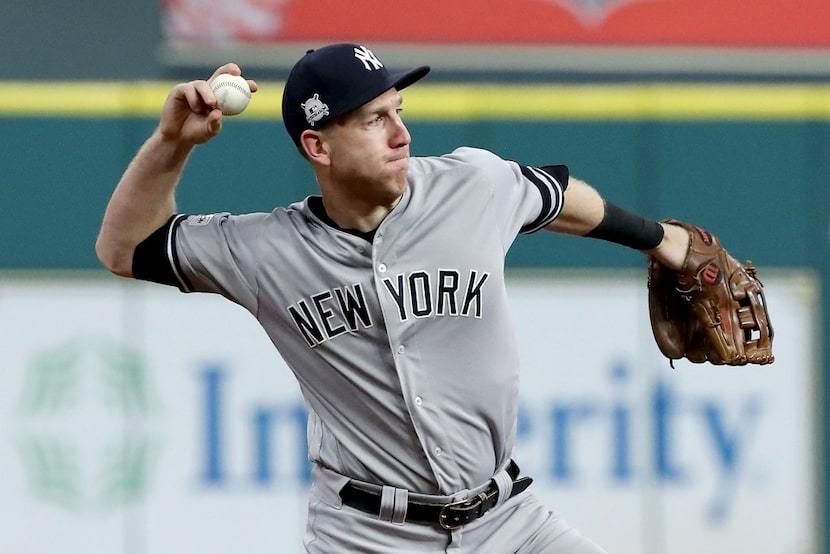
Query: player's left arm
pixel 586 213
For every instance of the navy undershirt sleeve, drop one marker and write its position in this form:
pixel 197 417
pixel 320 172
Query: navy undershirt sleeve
pixel 152 260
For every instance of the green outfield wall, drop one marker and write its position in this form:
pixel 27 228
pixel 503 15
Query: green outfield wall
pixel 749 162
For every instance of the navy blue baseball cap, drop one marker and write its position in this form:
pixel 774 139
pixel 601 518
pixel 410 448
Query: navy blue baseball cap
pixel 334 80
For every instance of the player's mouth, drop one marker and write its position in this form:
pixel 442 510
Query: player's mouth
pixel 402 161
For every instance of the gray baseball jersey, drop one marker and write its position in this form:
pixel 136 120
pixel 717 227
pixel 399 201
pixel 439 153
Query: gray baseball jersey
pixel 402 344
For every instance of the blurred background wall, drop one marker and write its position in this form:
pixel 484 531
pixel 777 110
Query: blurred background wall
pixel 732 136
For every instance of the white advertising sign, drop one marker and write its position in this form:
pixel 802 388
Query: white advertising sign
pixel 138 420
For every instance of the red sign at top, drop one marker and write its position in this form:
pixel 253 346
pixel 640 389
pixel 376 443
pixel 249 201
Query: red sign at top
pixel 724 23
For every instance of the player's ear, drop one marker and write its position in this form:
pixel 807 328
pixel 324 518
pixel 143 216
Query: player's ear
pixel 315 147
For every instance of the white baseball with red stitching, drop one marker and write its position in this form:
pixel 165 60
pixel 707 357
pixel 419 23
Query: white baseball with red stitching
pixel 232 93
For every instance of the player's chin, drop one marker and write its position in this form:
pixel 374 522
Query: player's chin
pixel 397 169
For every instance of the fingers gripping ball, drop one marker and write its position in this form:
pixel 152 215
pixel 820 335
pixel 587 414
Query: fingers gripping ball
pixel 712 310
pixel 232 93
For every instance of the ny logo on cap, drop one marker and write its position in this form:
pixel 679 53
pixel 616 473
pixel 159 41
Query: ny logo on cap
pixel 367 57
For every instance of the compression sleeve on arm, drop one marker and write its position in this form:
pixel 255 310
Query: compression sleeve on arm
pixel 628 229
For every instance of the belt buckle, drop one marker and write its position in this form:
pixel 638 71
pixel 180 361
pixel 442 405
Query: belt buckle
pixel 468 511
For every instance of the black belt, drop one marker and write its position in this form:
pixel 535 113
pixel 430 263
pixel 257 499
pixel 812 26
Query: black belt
pixel 449 516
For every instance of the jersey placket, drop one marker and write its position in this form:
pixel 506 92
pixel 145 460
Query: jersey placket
pixel 417 395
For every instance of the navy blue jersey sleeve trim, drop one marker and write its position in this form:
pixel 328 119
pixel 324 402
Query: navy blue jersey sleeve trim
pixel 559 172
pixel 155 258
pixel 551 182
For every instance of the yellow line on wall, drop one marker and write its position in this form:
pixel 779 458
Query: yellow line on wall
pixel 458 102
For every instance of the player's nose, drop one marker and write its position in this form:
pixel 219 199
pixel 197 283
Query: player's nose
pixel 400 134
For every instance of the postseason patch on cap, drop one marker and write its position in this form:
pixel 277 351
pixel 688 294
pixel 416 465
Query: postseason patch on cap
pixel 315 109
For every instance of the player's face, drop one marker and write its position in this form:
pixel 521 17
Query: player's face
pixel 369 150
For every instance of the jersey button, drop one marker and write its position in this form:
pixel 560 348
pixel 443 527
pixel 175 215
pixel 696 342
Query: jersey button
pixel 382 268
pixel 418 401
pixel 401 349
pixel 437 451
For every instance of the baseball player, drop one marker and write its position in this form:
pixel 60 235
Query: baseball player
pixel 385 295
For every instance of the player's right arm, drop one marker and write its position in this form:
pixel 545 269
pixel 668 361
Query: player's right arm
pixel 144 198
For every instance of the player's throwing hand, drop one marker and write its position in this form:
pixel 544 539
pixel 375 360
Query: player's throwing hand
pixel 190 114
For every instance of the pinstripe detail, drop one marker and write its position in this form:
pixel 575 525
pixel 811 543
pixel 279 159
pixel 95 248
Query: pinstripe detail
pixel 551 192
pixel 172 255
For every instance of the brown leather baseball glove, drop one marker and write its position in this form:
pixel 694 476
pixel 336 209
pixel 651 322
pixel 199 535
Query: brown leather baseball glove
pixel 712 310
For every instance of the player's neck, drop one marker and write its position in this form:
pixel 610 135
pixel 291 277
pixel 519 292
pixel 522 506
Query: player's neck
pixel 356 216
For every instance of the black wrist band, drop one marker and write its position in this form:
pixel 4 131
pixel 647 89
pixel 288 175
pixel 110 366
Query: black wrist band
pixel 627 228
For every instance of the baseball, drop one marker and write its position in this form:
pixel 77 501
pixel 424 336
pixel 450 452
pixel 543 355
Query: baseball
pixel 232 93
